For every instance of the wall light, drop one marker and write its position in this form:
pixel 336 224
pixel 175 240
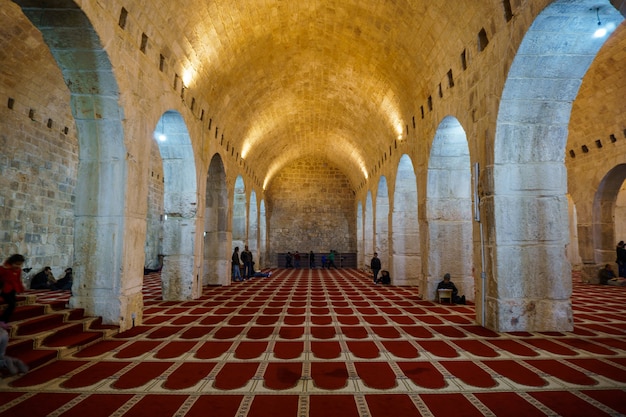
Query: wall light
pixel 161 136
pixel 600 32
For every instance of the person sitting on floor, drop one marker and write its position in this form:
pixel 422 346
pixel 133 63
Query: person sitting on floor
pixel 446 284
pixel 384 278
pixel 64 283
pixel 43 280
pixel 605 274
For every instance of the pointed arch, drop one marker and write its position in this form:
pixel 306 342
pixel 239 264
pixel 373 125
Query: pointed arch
pixel 239 225
pixel 382 222
pixel 449 209
pixel 406 258
pixel 102 177
pixel 263 244
pixel 360 248
pixel 368 229
pixel 216 258
pixel 178 276
pixel 253 227
pixel 529 178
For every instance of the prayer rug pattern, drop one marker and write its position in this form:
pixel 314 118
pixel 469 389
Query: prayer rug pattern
pixel 308 343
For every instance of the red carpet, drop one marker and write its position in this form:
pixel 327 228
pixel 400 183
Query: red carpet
pixel 188 374
pixel 140 375
pixel 324 343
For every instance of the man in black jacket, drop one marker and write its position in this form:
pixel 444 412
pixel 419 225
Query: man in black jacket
pixel 375 266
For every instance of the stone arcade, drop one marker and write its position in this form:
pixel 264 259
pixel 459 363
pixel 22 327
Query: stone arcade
pixel 484 138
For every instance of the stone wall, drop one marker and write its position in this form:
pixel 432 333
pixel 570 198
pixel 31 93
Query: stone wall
pixel 310 207
pixel 38 167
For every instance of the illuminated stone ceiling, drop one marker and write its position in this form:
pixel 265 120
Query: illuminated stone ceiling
pixel 334 79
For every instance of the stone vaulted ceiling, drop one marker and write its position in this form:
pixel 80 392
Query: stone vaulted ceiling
pixel 334 79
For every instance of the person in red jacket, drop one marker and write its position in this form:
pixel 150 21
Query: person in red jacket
pixel 11 284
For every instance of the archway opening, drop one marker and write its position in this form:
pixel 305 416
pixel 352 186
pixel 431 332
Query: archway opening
pixel 449 210
pixel 179 278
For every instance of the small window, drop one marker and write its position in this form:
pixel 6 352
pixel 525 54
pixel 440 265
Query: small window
pixel 144 43
pixel 123 16
pixel 161 62
pixel 508 12
pixel 483 41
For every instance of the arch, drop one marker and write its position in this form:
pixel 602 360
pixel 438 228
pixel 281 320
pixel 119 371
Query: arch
pixel 530 284
pixel 239 214
pixel 604 207
pixel 179 280
pixel 360 249
pixel 253 228
pixel 449 210
pixel 369 236
pixel 382 222
pixel 620 214
pixel 216 262
pixel 406 259
pixel 263 246
pixel 99 215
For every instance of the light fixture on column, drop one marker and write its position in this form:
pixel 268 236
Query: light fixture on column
pixel 161 135
pixel 601 31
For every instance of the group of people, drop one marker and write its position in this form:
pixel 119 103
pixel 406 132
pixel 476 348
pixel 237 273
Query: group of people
pixel 606 275
pixel 44 280
pixel 243 266
pixel 385 279
pixel 293 260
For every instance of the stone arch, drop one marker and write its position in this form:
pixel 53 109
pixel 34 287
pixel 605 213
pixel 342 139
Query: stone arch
pixel 180 205
pixel 604 206
pixel 449 210
pixel 253 228
pixel 368 229
pixel 573 254
pixel 406 259
pixel 99 216
pixel 216 265
pixel 620 214
pixel 239 214
pixel 360 248
pixel 529 286
pixel 382 222
pixel 263 247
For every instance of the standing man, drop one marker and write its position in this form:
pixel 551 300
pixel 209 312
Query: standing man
pixel 246 260
pixel 621 259
pixel 375 266
pixel 236 265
